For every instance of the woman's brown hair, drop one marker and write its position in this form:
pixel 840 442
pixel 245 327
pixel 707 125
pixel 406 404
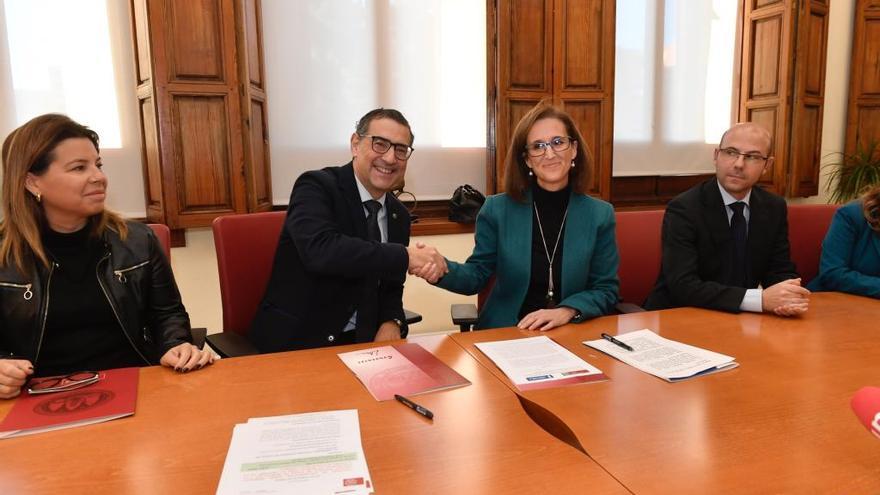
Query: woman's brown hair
pixel 516 172
pixel 871 207
pixel 31 149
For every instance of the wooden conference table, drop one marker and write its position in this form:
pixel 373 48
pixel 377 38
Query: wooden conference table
pixel 780 423
pixel 481 440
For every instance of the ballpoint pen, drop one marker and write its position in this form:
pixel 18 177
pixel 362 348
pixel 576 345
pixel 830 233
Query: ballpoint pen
pixel 415 407
pixel 616 342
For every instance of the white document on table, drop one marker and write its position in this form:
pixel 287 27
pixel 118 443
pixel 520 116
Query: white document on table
pixel 664 358
pixel 316 452
pixel 539 362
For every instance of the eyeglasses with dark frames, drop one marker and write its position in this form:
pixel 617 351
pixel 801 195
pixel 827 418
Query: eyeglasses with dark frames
pixel 731 154
pixel 557 144
pixel 381 145
pixel 62 383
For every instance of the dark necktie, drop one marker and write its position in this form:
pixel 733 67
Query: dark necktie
pixel 373 232
pixel 739 232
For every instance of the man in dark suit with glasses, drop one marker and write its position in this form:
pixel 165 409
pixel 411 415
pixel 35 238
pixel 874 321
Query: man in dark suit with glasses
pixel 725 241
pixel 343 253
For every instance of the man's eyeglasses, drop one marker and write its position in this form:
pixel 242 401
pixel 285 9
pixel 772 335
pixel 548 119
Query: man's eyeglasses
pixel 382 145
pixel 62 383
pixel 557 144
pixel 731 154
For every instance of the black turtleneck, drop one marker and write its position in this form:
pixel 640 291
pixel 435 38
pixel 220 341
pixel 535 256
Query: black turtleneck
pixel 551 207
pixel 81 333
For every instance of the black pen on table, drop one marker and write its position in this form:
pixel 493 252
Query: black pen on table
pixel 415 407
pixel 616 342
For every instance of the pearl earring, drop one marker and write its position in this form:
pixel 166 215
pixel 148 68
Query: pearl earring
pixel 39 197
pixel 572 164
pixel 530 173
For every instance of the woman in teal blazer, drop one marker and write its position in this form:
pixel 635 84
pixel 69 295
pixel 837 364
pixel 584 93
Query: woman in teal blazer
pixel 851 250
pixel 550 246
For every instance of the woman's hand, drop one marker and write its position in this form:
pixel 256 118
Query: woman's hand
pixel 545 319
pixel 13 375
pixel 187 357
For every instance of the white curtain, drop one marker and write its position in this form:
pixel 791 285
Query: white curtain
pixel 328 62
pixel 76 57
pixel 673 84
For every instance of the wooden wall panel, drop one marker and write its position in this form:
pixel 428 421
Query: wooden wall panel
pixel 561 50
pixel 205 69
pixel 589 119
pixel 580 57
pixel 152 164
pixel 766 53
pixel 260 155
pixel 253 42
pixel 203 153
pixel 196 26
pixel 757 4
pixel 808 100
pixel 815 77
pixel 140 32
pixel 869 61
pixel 863 109
pixel 526 35
pixel 772 75
pixel 806 145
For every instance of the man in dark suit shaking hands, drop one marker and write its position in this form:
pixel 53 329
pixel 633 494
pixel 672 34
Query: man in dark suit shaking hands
pixel 725 242
pixel 342 256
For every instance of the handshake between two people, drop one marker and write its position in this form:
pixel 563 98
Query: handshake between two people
pixel 426 262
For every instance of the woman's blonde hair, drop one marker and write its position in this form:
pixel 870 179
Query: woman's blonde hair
pixel 871 207
pixel 31 149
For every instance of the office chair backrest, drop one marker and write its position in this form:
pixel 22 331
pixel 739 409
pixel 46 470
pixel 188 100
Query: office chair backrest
pixel 638 243
pixel 164 234
pixel 807 226
pixel 245 247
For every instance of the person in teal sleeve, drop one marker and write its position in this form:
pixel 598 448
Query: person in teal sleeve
pixel 851 250
pixel 550 246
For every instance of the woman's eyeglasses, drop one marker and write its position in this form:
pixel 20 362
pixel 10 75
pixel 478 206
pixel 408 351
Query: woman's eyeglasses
pixel 557 144
pixel 62 383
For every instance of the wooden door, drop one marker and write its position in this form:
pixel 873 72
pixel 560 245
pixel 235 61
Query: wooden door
pixel 583 78
pixel 782 86
pixel 255 138
pixel 863 112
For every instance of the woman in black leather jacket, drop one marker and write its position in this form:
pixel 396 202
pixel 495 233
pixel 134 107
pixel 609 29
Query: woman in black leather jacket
pixel 80 288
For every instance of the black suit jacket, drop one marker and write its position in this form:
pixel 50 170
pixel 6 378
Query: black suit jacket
pixel 325 268
pixel 697 244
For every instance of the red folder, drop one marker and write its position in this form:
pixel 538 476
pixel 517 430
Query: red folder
pixel 112 397
pixel 405 369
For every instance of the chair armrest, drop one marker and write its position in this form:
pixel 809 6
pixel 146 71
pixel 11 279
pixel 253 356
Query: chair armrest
pixel 625 307
pixel 464 315
pixel 411 317
pixel 198 336
pixel 231 344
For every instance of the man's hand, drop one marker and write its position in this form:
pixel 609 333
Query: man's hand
pixel 546 319
pixel 426 262
pixel 13 375
pixel 787 298
pixel 388 331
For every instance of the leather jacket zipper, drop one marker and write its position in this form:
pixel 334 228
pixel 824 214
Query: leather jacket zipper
pixel 120 275
pixel 28 294
pixel 45 311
